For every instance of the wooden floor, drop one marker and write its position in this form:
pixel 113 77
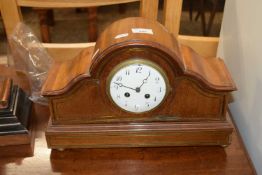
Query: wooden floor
pixel 166 160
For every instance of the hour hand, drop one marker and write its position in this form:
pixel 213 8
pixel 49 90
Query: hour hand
pixel 121 85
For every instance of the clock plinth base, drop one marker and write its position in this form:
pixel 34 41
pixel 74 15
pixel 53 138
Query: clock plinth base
pixel 138 135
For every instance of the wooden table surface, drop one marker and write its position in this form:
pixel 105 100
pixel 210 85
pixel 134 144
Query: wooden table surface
pixel 38 159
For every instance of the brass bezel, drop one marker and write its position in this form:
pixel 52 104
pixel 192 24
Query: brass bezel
pixel 137 61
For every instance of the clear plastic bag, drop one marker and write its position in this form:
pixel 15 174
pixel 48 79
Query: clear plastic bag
pixel 30 57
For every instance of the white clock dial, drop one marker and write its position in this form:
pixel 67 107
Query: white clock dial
pixel 137 86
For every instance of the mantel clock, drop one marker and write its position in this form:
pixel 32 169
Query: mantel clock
pixel 138 87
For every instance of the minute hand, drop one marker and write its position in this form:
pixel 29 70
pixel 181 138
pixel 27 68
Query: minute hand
pixel 121 85
pixel 144 80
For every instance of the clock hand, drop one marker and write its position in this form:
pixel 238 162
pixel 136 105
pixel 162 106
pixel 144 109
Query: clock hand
pixel 121 85
pixel 144 80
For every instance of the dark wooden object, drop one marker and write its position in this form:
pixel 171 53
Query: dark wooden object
pixel 15 118
pixel 46 19
pixel 5 87
pixel 202 160
pixel 194 112
pixel 92 24
pixel 122 8
pixel 201 13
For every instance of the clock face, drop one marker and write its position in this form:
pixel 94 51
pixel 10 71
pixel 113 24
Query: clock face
pixel 137 86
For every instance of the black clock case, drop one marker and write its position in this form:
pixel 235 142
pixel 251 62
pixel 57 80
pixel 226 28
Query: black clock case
pixel 15 119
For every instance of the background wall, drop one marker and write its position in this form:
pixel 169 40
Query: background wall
pixel 241 47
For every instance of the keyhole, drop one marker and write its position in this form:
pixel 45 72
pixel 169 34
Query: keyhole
pixel 147 95
pixel 127 94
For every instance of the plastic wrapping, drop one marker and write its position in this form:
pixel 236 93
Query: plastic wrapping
pixel 30 57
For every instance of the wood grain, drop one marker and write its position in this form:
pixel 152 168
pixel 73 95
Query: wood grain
pixel 197 96
pixel 92 24
pixel 180 106
pixel 182 160
pixel 64 52
pixel 3 60
pixel 11 15
pixel 43 23
pixel 204 46
pixel 5 88
pixel 149 9
pixel 66 4
pixel 138 135
pixel 63 73
pixel 172 15
pixel 213 74
pixel 212 71
pixel 17 139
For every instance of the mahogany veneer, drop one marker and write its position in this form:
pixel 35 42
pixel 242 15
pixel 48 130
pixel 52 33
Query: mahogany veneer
pixel 5 85
pixel 203 160
pixel 193 113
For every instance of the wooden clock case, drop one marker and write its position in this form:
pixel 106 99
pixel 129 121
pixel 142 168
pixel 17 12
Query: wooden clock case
pixel 193 113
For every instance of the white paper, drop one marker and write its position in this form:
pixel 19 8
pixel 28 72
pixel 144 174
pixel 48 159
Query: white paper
pixel 142 30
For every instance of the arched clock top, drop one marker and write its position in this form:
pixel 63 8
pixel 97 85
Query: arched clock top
pixel 135 32
pixel 138 38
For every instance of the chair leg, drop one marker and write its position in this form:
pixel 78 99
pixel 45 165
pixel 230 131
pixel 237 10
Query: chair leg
pixel 79 10
pixel 197 16
pixel 44 28
pixel 212 16
pixel 203 18
pixel 92 24
pixel 50 17
pixel 122 8
pixel 190 10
